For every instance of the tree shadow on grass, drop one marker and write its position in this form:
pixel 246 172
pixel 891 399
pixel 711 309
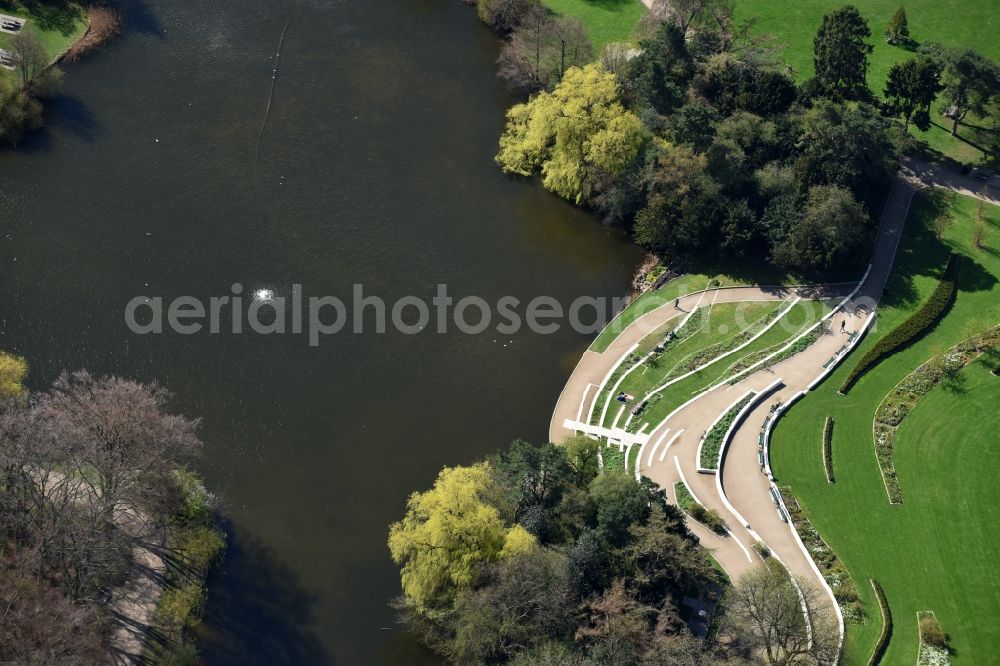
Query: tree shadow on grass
pixel 257 613
pixel 973 276
pixel 921 252
pixel 55 15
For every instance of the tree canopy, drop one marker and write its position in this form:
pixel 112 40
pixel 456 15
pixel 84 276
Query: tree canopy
pixel 572 134
pixel 601 577
pixel 447 531
pixel 841 54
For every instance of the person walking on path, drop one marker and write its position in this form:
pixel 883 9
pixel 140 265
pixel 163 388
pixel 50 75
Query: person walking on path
pixel 677 304
pixel 843 325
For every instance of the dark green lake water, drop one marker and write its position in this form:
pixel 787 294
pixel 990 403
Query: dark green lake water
pixel 376 168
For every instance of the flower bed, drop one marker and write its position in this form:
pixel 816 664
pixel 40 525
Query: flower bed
pixel 830 566
pixel 710 518
pixel 919 322
pixel 904 397
pixel 933 650
pixel 684 497
pixel 712 443
pixel 613 458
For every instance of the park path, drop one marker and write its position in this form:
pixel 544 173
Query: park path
pixel 741 490
pixel 581 390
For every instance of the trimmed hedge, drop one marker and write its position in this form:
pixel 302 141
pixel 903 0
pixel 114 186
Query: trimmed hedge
pixel 883 639
pixel 920 321
pixel 828 449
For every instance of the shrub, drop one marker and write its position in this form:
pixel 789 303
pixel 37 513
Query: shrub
pixel 181 607
pixel 919 322
pixel 931 632
pixel 196 503
pixel 828 449
pixel 761 549
pixel 883 638
pixel 200 546
pixel 710 518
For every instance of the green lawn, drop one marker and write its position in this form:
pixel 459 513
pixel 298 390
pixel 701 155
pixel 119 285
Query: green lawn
pixel 937 550
pixel 973 23
pixel 57 25
pixel 606 20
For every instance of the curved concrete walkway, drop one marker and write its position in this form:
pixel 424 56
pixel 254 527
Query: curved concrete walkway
pixel 584 384
pixel 741 490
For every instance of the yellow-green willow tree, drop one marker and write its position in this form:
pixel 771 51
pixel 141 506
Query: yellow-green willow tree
pixel 13 372
pixel 578 128
pixel 448 531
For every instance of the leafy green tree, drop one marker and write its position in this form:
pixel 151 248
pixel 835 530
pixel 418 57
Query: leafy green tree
pixel 971 82
pixel 621 503
pixel 581 452
pixel 20 111
pixel 591 563
pixel 519 603
pixel 534 474
pixel 840 54
pixel 448 531
pixel 733 83
pixel 694 125
pixel 911 88
pixel 572 133
pixel 898 31
pixel 832 229
pixel 677 217
pixel 663 561
pixel 848 146
pixel 758 140
pixel 662 70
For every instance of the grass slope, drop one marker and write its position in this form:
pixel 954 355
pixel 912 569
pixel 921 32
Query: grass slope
pixel 606 20
pixel 933 551
pixel 799 318
pixel 972 23
pixel 735 275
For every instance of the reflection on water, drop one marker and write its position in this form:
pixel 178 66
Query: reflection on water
pixel 376 168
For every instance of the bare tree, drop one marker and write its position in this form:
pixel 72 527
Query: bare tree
pixel 504 15
pixel 29 57
pixel 86 471
pixel 767 614
pixel 118 431
pixel 689 16
pixel 541 50
pixel 39 625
